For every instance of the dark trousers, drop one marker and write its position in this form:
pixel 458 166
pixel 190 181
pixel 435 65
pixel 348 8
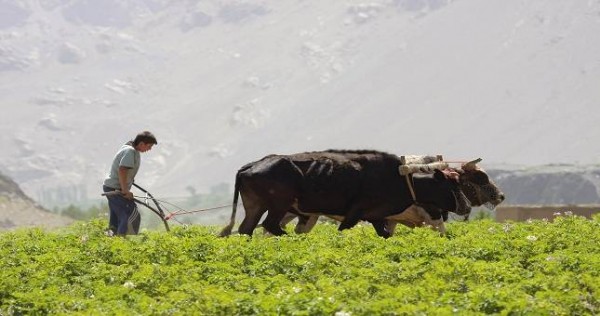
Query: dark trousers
pixel 124 218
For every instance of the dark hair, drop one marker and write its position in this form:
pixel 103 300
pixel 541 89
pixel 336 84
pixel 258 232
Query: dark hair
pixel 145 137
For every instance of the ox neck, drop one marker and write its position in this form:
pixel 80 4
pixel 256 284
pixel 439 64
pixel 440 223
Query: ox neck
pixel 473 194
pixel 413 192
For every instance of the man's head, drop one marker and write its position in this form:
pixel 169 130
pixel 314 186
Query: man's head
pixel 144 141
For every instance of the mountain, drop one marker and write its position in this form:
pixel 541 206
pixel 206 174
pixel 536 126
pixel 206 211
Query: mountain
pixel 222 83
pixel 18 210
pixel 549 185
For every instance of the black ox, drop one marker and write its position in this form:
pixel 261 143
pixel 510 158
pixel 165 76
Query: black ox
pixel 346 185
pixel 473 182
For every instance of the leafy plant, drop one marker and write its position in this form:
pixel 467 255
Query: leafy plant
pixel 479 267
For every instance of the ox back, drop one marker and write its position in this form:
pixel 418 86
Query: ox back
pixel 352 185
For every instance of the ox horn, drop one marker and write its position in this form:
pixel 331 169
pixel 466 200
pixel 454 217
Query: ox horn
pixel 471 164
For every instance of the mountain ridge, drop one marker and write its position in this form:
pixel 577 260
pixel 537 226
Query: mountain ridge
pixel 19 210
pixel 223 83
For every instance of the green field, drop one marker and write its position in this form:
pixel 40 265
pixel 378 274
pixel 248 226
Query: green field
pixel 480 267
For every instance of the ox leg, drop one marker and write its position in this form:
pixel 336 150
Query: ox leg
pixel 381 229
pixel 289 216
pixel 351 219
pixel 306 224
pixel 254 207
pixel 272 222
pixel 250 222
pixel 391 227
pixel 435 218
pixel 439 226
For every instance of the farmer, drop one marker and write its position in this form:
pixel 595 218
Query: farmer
pixel 124 218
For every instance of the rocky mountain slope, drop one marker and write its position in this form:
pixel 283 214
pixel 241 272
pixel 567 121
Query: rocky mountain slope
pixel 224 82
pixel 550 185
pixel 18 210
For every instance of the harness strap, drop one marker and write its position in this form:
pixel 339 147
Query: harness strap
pixel 411 186
pixel 455 201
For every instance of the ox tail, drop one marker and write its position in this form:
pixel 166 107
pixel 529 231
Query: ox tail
pixel 227 229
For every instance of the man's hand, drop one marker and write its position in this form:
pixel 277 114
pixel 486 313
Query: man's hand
pixel 128 195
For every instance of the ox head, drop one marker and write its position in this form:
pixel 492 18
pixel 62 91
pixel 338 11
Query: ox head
pixel 451 180
pixel 478 187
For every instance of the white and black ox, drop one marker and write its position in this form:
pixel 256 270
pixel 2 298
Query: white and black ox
pixel 351 186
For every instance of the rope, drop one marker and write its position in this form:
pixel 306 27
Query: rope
pixel 183 212
pixel 180 211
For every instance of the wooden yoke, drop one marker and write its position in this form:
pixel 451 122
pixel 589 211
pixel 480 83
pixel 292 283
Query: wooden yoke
pixel 421 164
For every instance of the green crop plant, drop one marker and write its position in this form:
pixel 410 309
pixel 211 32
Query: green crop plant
pixel 480 267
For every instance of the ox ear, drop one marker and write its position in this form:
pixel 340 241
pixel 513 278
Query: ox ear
pixel 471 165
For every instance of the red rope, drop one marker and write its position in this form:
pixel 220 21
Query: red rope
pixel 183 212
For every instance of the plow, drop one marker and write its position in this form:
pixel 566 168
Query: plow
pixel 156 206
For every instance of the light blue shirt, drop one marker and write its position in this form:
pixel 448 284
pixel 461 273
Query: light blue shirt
pixel 127 157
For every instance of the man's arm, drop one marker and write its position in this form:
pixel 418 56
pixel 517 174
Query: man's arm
pixel 123 183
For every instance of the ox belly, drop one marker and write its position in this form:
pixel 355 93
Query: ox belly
pixel 314 216
pixel 415 216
